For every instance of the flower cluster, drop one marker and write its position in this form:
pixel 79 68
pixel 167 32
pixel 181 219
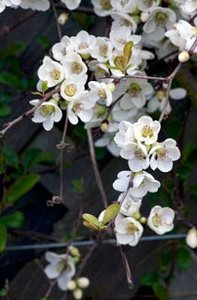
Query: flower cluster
pixel 139 145
pixel 41 5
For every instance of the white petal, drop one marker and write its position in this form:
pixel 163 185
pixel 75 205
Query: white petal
pixel 178 93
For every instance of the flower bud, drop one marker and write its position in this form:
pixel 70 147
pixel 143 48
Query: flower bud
pixel 74 251
pixel 183 56
pixel 137 215
pixel 143 220
pixel 191 239
pixel 83 282
pixel 78 294
pixel 144 16
pixel 63 18
pixel 71 285
pixel 104 126
pixel 111 86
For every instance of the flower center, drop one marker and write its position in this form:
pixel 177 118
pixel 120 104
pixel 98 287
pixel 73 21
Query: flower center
pixel 132 228
pixel 161 18
pixel 47 110
pixel 156 219
pixel 103 50
pixel 161 152
pixel 134 89
pixel 123 3
pixel 63 265
pixel 102 94
pixel 139 153
pixel 105 4
pixel 78 107
pixel 70 90
pixel 55 74
pixel 83 46
pixel 147 131
pixel 77 68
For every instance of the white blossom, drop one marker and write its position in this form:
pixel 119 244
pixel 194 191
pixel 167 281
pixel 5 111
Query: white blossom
pixel 71 4
pixel 125 6
pixel 47 113
pixel 107 141
pixel 73 87
pixel 191 238
pixel 102 8
pixel 130 205
pixel 157 102
pixel 59 50
pixel 73 65
pixel 123 20
pixel 163 155
pixel 137 155
pixel 83 43
pixel 125 134
pixel 60 267
pixel 120 37
pixel 101 91
pixel 128 231
pixel 41 5
pixel 51 71
pixel 8 3
pixel 159 19
pixel 146 130
pixel 102 49
pixel 178 93
pixel 161 219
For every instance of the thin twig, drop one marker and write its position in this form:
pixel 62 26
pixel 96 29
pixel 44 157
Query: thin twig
pixel 126 267
pixel 95 168
pixel 56 19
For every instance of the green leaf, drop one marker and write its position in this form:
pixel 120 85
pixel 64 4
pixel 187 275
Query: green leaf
pixel 92 222
pixel 149 279
pixel 127 52
pixel 3 237
pixel 160 291
pixel 34 157
pixel 14 49
pixel 183 258
pixel 12 159
pixel 12 220
pixel 44 42
pixel 77 185
pixel 5 110
pixel 90 218
pixel 3 292
pixel 100 153
pixel 9 79
pixel 110 213
pixel 80 132
pixel 21 186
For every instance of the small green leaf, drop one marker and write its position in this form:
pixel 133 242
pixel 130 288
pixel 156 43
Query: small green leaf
pixel 110 213
pixel 92 222
pixel 12 159
pixel 21 186
pixel 34 157
pixel 9 79
pixel 3 237
pixel 127 52
pixel 77 185
pixel 90 218
pixel 3 292
pixel 183 258
pixel 44 42
pixel 160 291
pixel 44 86
pixel 12 220
pixel 149 279
pixel 5 110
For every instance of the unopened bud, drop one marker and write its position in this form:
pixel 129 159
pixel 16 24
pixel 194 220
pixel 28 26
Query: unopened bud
pixel 63 18
pixel 104 126
pixel 74 251
pixel 111 86
pixel 71 285
pixel 143 220
pixel 191 239
pixel 183 56
pixel 83 282
pixel 144 16
pixel 137 215
pixel 160 94
pixel 78 294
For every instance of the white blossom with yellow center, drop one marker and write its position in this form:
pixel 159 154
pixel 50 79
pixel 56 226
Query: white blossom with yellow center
pixel 73 87
pixel 146 130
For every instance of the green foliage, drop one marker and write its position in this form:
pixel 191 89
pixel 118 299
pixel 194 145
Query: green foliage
pixel 160 291
pixel 183 258
pixel 3 293
pixel 111 212
pixel 14 220
pixel 100 153
pixel 34 157
pixel 80 132
pixel 149 279
pixel 3 237
pixel 77 185
pixel 44 42
pixel 21 186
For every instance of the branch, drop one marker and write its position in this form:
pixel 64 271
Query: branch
pixel 95 168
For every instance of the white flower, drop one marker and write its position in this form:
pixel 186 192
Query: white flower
pixel 141 183
pixel 50 71
pixel 102 8
pixel 183 35
pixel 102 49
pixel 83 282
pixel 120 37
pixel 81 107
pixel 130 204
pixel 101 91
pixel 73 64
pixel 137 91
pixel 123 20
pixel 8 3
pixel 161 219
pixel 83 43
pixel 73 87
pixel 147 5
pixel 124 6
pixel 137 155
pixel 59 50
pixel 188 6
pixel 35 4
pixel 163 155
pixel 47 113
pixel 157 103
pixel 107 141
pixel 127 230
pixel 146 130
pixel 159 19
pixel 71 4
pixel 191 239
pixel 60 267
pixel 125 134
